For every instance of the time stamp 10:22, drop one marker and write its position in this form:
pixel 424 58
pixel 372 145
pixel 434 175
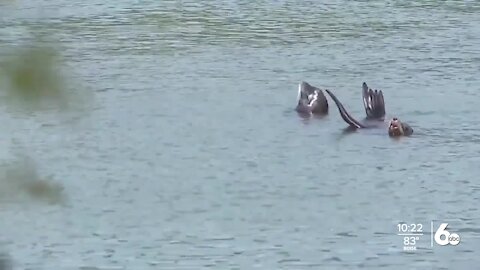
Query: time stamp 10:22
pixel 411 234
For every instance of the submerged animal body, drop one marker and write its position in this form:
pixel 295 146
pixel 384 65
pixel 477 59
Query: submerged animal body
pixel 375 110
pixel 311 100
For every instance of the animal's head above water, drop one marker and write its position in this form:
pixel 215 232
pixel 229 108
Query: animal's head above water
pixel 397 128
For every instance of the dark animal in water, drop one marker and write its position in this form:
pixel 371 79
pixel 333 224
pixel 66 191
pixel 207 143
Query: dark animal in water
pixel 375 111
pixel 311 100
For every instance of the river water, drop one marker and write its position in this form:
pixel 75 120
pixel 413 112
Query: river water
pixel 190 156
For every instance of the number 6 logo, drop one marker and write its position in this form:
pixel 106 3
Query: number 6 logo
pixel 452 239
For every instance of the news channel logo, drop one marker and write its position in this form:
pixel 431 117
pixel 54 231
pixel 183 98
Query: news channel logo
pixel 413 234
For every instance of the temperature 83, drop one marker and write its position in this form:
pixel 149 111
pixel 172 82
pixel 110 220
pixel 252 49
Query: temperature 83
pixel 410 240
